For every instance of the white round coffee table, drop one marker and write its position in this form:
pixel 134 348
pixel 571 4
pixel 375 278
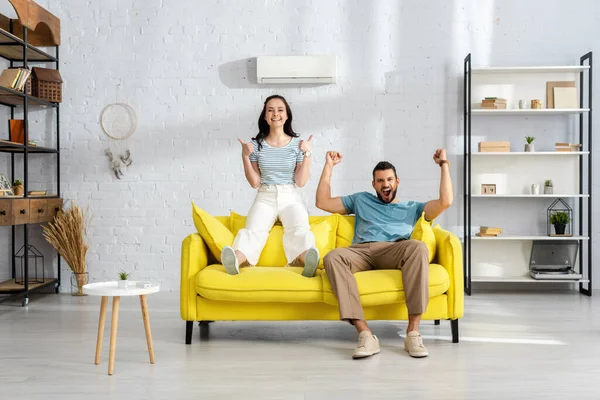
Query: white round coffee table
pixel 111 289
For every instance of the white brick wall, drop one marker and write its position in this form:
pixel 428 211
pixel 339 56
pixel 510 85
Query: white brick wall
pixel 187 67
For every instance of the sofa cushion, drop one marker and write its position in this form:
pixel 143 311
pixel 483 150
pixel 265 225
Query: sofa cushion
pixel 384 286
pixel 259 284
pixel 345 231
pixel 324 228
pixel 213 232
pixel 424 232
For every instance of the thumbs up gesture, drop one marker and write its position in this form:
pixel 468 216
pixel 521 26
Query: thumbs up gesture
pixel 247 148
pixel 306 145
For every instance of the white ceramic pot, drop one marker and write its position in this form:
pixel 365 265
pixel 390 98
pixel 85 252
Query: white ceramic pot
pixel 535 189
pixel 122 284
pixel 529 147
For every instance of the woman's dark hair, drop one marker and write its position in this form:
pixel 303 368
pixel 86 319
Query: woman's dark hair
pixel 263 126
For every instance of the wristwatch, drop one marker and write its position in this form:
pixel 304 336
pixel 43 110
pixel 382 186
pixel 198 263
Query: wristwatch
pixel 307 153
pixel 442 162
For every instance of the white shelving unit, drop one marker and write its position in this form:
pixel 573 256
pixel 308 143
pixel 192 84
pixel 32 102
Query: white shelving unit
pixel 527 237
pixel 505 258
pixel 533 153
pixel 530 112
pixel 523 279
pixel 531 69
pixel 531 196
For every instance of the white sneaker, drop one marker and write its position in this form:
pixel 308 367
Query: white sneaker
pixel 229 260
pixel 413 344
pixel 368 344
pixel 311 261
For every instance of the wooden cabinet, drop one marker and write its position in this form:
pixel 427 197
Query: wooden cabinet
pixel 28 211
pixel 5 212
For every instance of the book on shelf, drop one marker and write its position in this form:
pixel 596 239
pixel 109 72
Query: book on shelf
pixel 493 103
pixel 493 147
pixel 37 193
pixel 561 146
pixel 14 78
pixel 487 231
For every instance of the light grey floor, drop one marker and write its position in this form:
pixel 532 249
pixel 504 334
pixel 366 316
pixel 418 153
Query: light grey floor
pixel 513 346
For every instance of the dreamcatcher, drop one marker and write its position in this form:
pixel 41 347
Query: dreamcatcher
pixel 118 121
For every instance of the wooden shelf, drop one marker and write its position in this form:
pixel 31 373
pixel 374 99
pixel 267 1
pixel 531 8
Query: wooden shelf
pixel 523 279
pixel 12 98
pixel 11 286
pixel 13 49
pixel 531 69
pixel 541 111
pixel 13 147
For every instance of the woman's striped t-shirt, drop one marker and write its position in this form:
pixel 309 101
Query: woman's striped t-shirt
pixel 277 165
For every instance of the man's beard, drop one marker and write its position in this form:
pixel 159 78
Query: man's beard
pixel 392 196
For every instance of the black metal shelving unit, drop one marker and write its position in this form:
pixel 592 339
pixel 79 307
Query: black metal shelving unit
pixel 585 203
pixel 25 55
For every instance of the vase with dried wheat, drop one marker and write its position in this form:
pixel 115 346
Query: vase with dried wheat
pixel 67 233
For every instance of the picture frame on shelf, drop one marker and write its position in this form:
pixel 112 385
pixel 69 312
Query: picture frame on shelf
pixel 5 186
pixel 488 188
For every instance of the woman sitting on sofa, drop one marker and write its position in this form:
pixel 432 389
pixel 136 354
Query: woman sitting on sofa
pixel 277 163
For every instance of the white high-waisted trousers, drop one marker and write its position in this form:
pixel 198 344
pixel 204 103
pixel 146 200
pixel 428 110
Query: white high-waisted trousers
pixel 272 201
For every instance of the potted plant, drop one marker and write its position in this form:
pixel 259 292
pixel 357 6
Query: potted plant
pixel 67 233
pixel 18 187
pixel 560 219
pixel 529 147
pixel 123 279
pixel 548 188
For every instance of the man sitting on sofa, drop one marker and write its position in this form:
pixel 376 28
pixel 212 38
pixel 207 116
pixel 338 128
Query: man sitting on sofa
pixel 382 229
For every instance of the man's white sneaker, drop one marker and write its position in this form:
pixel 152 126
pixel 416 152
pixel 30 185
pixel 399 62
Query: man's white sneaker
pixel 230 261
pixel 413 344
pixel 311 261
pixel 368 344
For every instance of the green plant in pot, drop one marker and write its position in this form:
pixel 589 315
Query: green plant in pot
pixel 560 219
pixel 529 147
pixel 123 279
pixel 18 187
pixel 548 187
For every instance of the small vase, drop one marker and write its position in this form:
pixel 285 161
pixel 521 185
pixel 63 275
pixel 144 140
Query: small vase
pixel 548 190
pixel 18 190
pixel 529 147
pixel 122 284
pixel 559 229
pixel 535 189
pixel 77 283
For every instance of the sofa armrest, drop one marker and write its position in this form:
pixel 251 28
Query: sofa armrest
pixel 449 255
pixel 194 257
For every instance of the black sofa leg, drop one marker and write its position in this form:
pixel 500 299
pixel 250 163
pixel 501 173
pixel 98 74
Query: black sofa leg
pixel 189 327
pixel 436 322
pixel 203 329
pixel 454 327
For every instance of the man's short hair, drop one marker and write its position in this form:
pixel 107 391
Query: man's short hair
pixel 382 166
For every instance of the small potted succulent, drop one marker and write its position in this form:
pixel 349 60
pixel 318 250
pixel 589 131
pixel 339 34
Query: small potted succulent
pixel 18 187
pixel 548 187
pixel 529 146
pixel 123 279
pixel 560 219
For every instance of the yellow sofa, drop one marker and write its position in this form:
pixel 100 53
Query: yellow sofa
pixel 273 291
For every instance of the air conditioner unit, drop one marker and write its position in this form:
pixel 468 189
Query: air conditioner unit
pixel 296 69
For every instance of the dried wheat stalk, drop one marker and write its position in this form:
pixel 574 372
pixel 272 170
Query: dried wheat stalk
pixel 67 234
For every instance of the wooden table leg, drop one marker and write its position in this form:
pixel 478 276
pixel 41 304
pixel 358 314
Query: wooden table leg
pixel 103 304
pixel 147 327
pixel 113 334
